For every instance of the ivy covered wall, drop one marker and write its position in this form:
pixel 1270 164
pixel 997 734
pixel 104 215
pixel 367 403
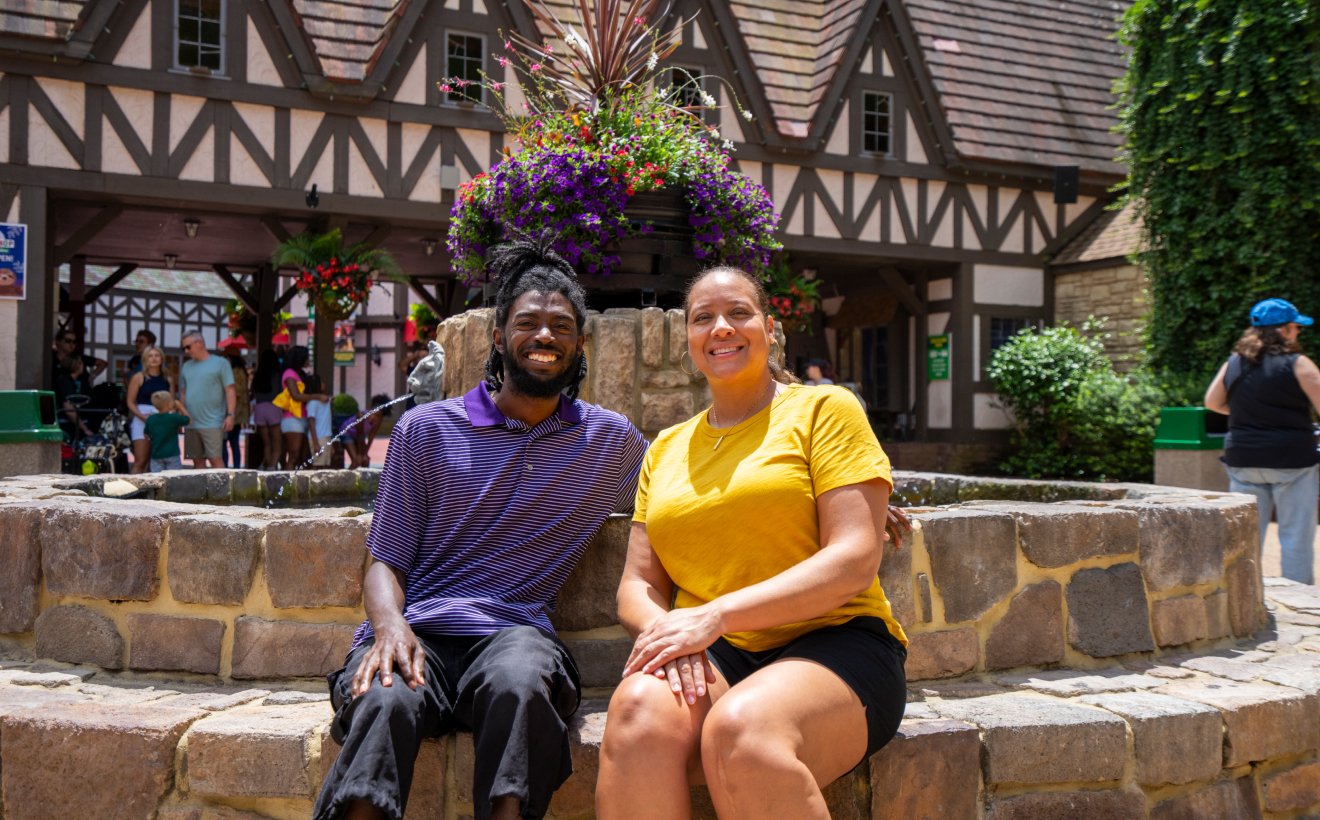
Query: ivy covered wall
pixel 1221 113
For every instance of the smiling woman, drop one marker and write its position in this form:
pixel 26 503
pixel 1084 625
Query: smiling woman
pixel 779 664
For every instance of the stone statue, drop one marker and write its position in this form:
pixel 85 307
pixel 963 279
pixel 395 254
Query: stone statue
pixel 426 381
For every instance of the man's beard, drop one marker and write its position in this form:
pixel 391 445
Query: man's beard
pixel 538 387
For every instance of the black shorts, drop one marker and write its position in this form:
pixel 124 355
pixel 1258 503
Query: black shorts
pixel 861 652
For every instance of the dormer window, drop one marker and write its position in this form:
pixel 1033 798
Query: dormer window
pixel 198 35
pixel 465 58
pixel 877 122
pixel 687 86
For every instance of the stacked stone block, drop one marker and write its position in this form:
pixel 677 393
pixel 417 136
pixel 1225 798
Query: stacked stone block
pixel 1217 735
pixel 633 361
pixel 251 593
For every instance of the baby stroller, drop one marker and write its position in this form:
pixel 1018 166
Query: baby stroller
pixel 105 450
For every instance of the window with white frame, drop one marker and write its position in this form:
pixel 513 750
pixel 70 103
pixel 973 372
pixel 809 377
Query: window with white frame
pixel 877 122
pixel 465 59
pixel 199 30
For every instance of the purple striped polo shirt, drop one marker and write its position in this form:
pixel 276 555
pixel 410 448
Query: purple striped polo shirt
pixel 487 517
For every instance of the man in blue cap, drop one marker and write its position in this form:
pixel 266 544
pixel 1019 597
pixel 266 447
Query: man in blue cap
pixel 1269 390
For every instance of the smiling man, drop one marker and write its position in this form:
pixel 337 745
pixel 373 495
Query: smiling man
pixel 486 504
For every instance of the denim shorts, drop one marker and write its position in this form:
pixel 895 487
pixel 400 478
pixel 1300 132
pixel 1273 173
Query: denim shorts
pixel 293 424
pixel 861 652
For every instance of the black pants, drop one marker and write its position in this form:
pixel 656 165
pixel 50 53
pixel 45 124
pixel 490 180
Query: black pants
pixel 514 689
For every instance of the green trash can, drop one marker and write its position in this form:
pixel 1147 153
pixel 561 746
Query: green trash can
pixel 1188 444
pixel 30 436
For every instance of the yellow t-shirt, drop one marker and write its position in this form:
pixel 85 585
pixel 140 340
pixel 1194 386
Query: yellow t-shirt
pixel 723 518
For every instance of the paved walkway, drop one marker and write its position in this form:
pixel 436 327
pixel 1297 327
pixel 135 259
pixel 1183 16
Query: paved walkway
pixel 1270 554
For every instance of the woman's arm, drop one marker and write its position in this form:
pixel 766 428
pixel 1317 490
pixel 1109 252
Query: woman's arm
pixel 1308 376
pixel 1216 395
pixel 645 589
pixel 645 592
pixel 130 395
pixel 852 520
pixel 291 384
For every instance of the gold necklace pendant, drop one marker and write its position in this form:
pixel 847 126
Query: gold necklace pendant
pixel 714 422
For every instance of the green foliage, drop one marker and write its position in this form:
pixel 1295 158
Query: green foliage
pixel 1074 417
pixel 343 404
pixel 1221 115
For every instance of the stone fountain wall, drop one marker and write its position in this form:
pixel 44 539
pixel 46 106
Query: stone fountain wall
pixel 182 581
pixel 632 363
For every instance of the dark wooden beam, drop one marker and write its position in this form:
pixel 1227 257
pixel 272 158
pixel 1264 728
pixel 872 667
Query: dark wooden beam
pixel 437 306
pixel 896 283
pixel 244 295
pixel 276 228
pixel 70 247
pixel 285 298
pixel 110 281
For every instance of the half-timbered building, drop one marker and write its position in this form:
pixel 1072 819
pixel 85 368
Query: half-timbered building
pixel 928 157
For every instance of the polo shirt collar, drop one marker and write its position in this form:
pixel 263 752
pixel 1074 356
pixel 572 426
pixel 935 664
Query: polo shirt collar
pixel 482 412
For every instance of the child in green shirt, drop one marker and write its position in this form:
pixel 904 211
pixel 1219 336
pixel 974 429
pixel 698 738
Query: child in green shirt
pixel 162 429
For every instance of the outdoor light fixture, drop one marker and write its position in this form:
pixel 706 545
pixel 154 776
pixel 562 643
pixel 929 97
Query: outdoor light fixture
pixel 313 198
pixel 170 259
pixel 190 227
pixel 430 246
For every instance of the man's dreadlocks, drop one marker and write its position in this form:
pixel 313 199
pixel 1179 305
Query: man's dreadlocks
pixel 522 265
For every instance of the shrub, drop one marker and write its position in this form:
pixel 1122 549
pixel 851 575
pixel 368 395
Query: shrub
pixel 1073 416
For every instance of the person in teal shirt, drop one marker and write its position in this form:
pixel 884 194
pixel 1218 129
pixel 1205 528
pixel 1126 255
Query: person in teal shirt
pixel 162 428
pixel 206 387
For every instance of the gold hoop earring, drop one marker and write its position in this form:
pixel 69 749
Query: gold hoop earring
pixel 689 373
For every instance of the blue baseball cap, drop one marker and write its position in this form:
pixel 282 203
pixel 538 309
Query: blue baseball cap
pixel 1272 312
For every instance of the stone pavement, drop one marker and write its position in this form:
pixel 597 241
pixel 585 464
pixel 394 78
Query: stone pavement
pixel 1234 733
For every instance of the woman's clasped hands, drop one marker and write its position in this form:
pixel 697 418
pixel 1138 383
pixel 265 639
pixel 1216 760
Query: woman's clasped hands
pixel 673 648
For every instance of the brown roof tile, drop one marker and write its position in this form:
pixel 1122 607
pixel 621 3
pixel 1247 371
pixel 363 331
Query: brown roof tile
pixel 47 19
pixel 1026 81
pixel 347 35
pixel 802 42
pixel 1115 235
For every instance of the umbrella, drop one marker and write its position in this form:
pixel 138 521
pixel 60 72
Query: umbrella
pixel 233 341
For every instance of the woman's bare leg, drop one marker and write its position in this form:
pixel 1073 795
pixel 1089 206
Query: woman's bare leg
pixel 651 750
pixel 777 738
pixel 141 455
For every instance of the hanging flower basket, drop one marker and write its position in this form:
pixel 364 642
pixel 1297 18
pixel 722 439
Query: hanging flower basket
pixel 242 323
pixel 600 134
pixel 793 297
pixel 335 278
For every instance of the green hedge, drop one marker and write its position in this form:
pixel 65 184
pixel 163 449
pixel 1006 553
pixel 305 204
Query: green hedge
pixel 1074 416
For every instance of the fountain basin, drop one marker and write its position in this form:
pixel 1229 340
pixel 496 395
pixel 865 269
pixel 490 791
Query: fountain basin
pixel 1077 650
pixel 1000 574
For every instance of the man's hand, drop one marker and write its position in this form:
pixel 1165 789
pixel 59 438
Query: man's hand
pixel 229 423
pixel 896 524
pixel 395 645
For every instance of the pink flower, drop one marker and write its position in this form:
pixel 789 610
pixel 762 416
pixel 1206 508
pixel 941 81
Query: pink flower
pixel 535 67
pixel 502 60
pixel 445 88
pixel 497 86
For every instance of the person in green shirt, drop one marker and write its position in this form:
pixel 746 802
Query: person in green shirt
pixel 162 429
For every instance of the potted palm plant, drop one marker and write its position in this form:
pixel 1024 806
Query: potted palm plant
pixel 335 278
